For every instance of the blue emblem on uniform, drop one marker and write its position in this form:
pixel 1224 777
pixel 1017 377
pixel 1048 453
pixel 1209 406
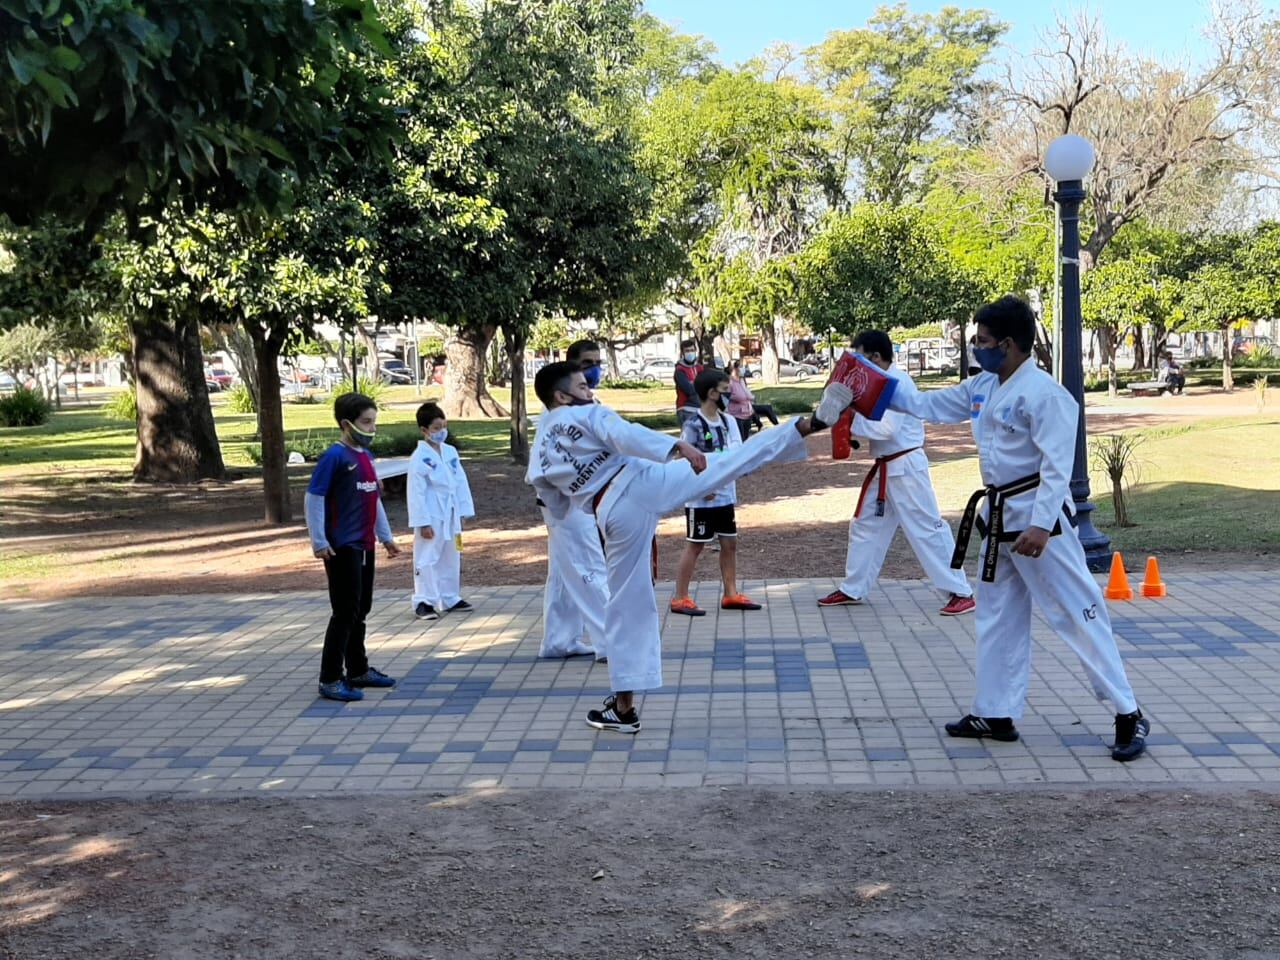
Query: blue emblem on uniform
pixel 429 462
pixel 976 408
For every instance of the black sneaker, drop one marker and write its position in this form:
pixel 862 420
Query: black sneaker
pixel 1131 736
pixel 371 678
pixel 610 719
pixel 997 728
pixel 461 607
pixel 425 611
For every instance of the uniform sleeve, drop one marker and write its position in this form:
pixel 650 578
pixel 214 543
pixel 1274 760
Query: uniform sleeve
pixel 466 506
pixel 883 429
pixel 629 438
pixel 416 496
pixel 949 405
pixel 313 504
pixel 1054 420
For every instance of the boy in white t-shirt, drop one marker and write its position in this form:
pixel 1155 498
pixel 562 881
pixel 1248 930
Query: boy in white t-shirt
pixel 711 517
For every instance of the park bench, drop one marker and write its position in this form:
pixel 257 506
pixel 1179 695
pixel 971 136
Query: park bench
pixel 1148 388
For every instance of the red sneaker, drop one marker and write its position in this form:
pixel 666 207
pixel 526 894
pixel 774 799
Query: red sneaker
pixel 738 601
pixel 958 605
pixel 838 598
pixel 686 606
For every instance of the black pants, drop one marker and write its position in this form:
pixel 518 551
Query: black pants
pixel 350 575
pixel 744 427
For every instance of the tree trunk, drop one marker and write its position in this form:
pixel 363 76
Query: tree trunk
pixel 465 394
pixel 1107 344
pixel 372 363
pixel 169 450
pixel 515 338
pixel 612 353
pixel 769 371
pixel 1228 381
pixel 1139 348
pixel 1118 504
pixel 242 347
pixel 275 469
pixel 202 425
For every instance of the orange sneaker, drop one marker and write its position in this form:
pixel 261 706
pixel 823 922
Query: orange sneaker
pixel 686 606
pixel 738 601
pixel 958 605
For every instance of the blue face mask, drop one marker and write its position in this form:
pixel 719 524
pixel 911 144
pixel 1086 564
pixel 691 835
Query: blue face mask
pixel 989 358
pixel 592 375
pixel 690 358
pixel 439 436
pixel 359 437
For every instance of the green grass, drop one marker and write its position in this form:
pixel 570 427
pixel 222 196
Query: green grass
pixel 1211 486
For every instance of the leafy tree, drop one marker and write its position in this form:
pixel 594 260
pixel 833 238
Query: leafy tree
pixel 111 104
pixel 899 90
pixel 879 266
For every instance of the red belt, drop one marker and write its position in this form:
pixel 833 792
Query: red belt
pixel 879 468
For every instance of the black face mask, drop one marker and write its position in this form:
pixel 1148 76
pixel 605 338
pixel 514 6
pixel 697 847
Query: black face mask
pixel 722 402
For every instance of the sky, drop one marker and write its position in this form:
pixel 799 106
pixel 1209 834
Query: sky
pixel 740 29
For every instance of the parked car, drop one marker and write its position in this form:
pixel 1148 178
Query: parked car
pixel 396 371
pixel 654 369
pixel 786 368
pixel 216 379
pixel 7 383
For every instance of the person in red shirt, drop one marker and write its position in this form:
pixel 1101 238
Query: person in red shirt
pixel 687 370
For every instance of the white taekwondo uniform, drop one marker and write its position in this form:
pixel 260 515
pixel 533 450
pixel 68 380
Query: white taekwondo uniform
pixel 1023 428
pixel 901 472
pixel 439 497
pixel 589 457
pixel 577 589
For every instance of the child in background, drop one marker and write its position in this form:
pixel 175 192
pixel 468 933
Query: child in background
pixel 711 517
pixel 344 514
pixel 439 500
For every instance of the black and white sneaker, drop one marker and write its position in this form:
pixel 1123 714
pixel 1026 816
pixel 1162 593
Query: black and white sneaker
pixel 425 611
pixel 997 728
pixel 461 607
pixel 610 719
pixel 1131 736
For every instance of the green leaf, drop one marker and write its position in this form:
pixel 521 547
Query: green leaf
pixel 59 92
pixel 25 64
pixel 65 58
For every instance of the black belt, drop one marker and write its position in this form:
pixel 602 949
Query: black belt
pixel 995 533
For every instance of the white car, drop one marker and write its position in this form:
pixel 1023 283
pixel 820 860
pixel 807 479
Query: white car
pixel 654 369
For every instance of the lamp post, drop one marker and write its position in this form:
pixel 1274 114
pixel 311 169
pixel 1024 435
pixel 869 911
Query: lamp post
pixel 1067 160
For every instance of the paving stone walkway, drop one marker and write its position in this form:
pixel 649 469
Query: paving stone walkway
pixel 216 694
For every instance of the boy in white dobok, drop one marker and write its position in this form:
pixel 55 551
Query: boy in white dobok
pixel 588 455
pixel 897 492
pixel 439 500
pixel 576 592
pixel 1025 425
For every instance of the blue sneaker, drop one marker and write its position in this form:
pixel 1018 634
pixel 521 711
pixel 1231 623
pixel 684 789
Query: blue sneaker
pixel 339 690
pixel 371 678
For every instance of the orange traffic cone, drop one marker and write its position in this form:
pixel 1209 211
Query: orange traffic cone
pixel 1118 585
pixel 1152 585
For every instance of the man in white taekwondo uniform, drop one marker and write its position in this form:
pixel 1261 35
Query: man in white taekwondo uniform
pixel 902 496
pixel 576 592
pixel 587 455
pixel 1024 424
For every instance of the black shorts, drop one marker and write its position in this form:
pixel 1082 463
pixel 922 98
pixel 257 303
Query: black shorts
pixel 704 524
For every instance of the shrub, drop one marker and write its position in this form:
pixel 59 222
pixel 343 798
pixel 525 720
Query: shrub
pixel 1116 455
pixel 123 406
pixel 621 383
pixel 240 400
pixel 306 398
pixel 398 442
pixel 23 408
pixel 373 389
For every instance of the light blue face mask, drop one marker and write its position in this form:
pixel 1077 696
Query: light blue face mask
pixel 439 436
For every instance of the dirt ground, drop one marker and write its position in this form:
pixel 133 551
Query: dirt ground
pixel 87 537
pixel 729 873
